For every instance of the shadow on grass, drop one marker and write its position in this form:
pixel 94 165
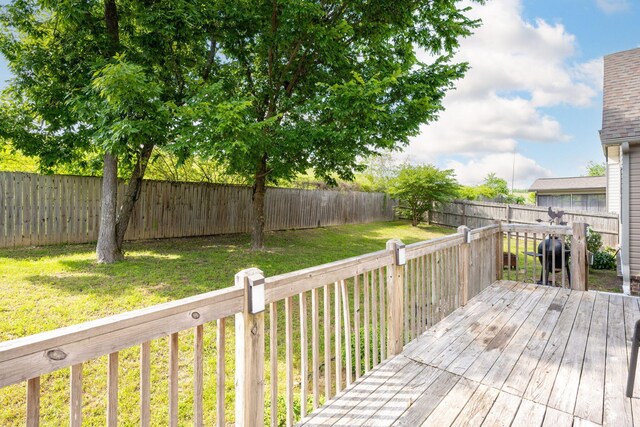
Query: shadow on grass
pixel 181 267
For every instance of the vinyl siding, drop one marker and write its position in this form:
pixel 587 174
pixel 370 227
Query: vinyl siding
pixel 613 179
pixel 634 209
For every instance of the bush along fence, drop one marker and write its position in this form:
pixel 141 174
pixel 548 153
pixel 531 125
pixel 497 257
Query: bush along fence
pixel 48 209
pixel 480 214
pixel 344 318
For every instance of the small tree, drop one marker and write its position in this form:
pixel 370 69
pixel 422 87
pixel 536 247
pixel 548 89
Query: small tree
pixel 596 169
pixel 419 188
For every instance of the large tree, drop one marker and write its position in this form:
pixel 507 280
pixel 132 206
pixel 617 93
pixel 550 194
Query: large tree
pixel 102 78
pixel 321 84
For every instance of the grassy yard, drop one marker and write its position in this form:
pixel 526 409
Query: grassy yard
pixel 48 287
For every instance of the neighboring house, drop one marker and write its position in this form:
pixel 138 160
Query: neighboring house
pixel 620 136
pixel 581 193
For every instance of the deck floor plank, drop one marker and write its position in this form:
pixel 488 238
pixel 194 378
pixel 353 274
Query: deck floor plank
pixel 520 376
pixel 565 390
pixel 514 355
pixel 449 408
pixel 503 411
pixel 591 390
pixel 617 407
pixel 479 356
pixel 477 408
pixel 502 367
pixel 529 414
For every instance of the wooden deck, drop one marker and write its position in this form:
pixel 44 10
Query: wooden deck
pixel 514 355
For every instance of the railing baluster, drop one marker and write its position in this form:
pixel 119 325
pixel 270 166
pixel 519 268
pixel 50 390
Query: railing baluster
pixel 288 309
pixel 509 255
pixel 563 262
pixel 220 372
pixel 315 347
pixel 374 318
pixel 347 330
pixel 356 323
pixel 273 360
pixel 327 343
pixel 338 336
pixel 535 258
pixel 198 375
pixel 112 390
pixel 383 315
pixel 406 300
pixel 544 259
pixel 554 239
pixel 33 402
pixel 304 355
pixel 411 267
pixel 76 396
pixel 517 256
pixel 421 288
pixel 145 384
pixel 526 249
pixel 173 380
pixel 367 324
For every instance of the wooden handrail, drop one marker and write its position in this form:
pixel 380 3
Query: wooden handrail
pixel 35 355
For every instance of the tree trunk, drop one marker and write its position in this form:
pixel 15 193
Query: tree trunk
pixel 107 249
pixel 132 194
pixel 257 197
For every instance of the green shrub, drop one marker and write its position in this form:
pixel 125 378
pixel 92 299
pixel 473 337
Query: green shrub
pixel 604 260
pixel 594 241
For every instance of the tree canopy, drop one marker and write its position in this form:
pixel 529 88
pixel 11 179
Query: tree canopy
pixel 419 188
pixel 317 86
pixel 267 89
pixel 101 80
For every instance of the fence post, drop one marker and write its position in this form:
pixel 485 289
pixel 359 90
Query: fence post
pixel 250 350
pixel 579 265
pixel 464 213
pixel 499 251
pixel 395 296
pixel 464 265
pixel 508 213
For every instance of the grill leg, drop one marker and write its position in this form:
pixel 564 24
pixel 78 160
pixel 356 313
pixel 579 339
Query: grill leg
pixel 634 359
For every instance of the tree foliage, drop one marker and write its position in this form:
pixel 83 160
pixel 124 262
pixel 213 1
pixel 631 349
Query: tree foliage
pixel 596 169
pixel 419 188
pixel 317 86
pixel 101 79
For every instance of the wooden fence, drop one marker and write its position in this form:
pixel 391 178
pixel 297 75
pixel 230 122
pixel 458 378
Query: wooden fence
pixel 349 316
pixel 480 214
pixel 48 209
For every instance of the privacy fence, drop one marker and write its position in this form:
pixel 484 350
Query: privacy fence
pixel 480 214
pixel 48 209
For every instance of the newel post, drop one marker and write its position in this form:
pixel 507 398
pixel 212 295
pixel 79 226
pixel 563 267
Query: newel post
pixel 250 350
pixel 579 264
pixel 464 265
pixel 395 296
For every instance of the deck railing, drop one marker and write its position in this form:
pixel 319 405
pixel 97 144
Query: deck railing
pixel 340 320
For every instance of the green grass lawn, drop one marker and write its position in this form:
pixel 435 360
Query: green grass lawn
pixel 45 288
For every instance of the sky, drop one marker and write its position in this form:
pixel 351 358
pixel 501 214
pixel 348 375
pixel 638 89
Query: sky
pixel 533 94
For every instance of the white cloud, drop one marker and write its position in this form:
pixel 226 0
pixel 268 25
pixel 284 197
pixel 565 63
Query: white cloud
pixel 474 171
pixel 613 6
pixel 517 69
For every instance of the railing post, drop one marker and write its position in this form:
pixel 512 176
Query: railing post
pixel 499 251
pixel 579 265
pixel 464 265
pixel 250 350
pixel 395 297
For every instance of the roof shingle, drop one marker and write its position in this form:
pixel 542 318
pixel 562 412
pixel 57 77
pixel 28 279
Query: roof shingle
pixel 621 105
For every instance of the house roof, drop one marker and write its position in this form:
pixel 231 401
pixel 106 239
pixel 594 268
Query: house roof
pixel 572 183
pixel 621 109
